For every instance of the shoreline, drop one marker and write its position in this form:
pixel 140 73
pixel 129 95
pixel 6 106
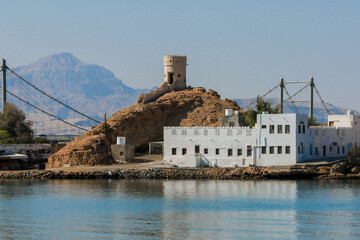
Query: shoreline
pixel 248 173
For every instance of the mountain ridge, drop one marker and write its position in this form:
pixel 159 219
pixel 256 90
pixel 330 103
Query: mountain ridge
pixel 89 87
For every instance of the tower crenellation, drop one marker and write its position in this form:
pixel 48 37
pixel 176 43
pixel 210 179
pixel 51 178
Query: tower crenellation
pixel 175 71
pixel 174 78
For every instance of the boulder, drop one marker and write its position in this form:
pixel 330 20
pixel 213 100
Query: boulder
pixel 214 93
pixel 338 168
pixel 355 170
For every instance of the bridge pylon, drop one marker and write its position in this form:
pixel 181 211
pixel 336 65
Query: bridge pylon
pixel 3 86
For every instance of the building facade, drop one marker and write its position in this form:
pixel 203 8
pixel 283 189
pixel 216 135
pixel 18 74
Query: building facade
pixel 276 139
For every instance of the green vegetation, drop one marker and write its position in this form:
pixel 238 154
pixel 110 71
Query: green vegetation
pixel 353 157
pixel 312 121
pixel 262 105
pixel 14 127
pixel 5 137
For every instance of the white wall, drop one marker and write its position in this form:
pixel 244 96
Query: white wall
pixel 336 141
pixel 222 138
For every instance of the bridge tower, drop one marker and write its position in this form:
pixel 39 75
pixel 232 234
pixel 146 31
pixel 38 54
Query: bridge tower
pixel 3 86
pixel 175 71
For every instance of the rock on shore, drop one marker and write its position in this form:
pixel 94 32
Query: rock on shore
pixel 143 123
pixel 178 173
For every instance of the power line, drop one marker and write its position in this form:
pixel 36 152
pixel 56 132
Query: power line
pixel 53 97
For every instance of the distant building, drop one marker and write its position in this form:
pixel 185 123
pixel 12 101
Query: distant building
pixel 276 139
pixel 121 151
pixel 174 78
pixel 231 120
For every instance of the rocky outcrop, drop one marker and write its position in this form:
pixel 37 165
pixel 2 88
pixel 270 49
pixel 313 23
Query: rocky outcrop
pixel 143 123
pixel 179 173
pixel 338 168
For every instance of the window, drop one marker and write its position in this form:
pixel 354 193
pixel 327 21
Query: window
pixel 271 129
pixel 299 150
pixel 183 151
pixel 287 149
pixel 230 152
pixel 263 126
pixel 121 153
pixel 263 150
pixel 279 128
pixel 197 149
pixel 299 129
pixel 217 151
pixel 173 150
pixel 302 148
pixel 248 150
pixel 338 150
pixel 287 128
pixel 303 128
pixel 244 161
pixel 272 150
pixel 279 149
pixel 239 152
pixel 206 151
pixel 343 149
pixel 316 151
pixel 311 149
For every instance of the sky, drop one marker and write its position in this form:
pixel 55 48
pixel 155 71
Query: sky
pixel 239 48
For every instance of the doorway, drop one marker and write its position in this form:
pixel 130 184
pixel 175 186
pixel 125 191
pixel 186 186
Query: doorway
pixel 324 151
pixel 197 149
pixel 171 78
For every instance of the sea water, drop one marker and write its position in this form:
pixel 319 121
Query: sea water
pixel 186 209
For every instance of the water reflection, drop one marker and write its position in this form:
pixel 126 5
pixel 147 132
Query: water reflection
pixel 194 209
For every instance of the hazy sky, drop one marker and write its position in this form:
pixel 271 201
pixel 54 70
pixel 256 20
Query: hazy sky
pixel 239 48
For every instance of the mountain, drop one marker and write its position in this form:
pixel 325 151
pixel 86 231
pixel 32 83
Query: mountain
pixel 319 111
pixel 90 88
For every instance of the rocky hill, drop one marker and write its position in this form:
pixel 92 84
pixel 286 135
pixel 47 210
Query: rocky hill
pixel 143 123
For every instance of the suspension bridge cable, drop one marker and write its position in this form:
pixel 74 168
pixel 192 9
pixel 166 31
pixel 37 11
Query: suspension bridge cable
pixel 20 86
pixel 31 94
pixel 55 99
pixel 293 95
pixel 292 101
pixel 262 96
pixel 46 112
pixel 322 101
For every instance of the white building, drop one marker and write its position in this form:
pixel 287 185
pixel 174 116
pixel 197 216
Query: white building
pixel 276 139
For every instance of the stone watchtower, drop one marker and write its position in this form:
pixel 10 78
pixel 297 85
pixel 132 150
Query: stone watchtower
pixel 174 78
pixel 175 71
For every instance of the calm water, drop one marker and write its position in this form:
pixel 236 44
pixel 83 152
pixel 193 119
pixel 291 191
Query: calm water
pixel 155 209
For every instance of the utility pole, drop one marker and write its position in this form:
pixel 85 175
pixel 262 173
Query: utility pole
pixel 282 86
pixel 311 96
pixel 3 87
pixel 105 135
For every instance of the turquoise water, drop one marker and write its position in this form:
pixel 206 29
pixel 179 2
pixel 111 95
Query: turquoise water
pixel 190 209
